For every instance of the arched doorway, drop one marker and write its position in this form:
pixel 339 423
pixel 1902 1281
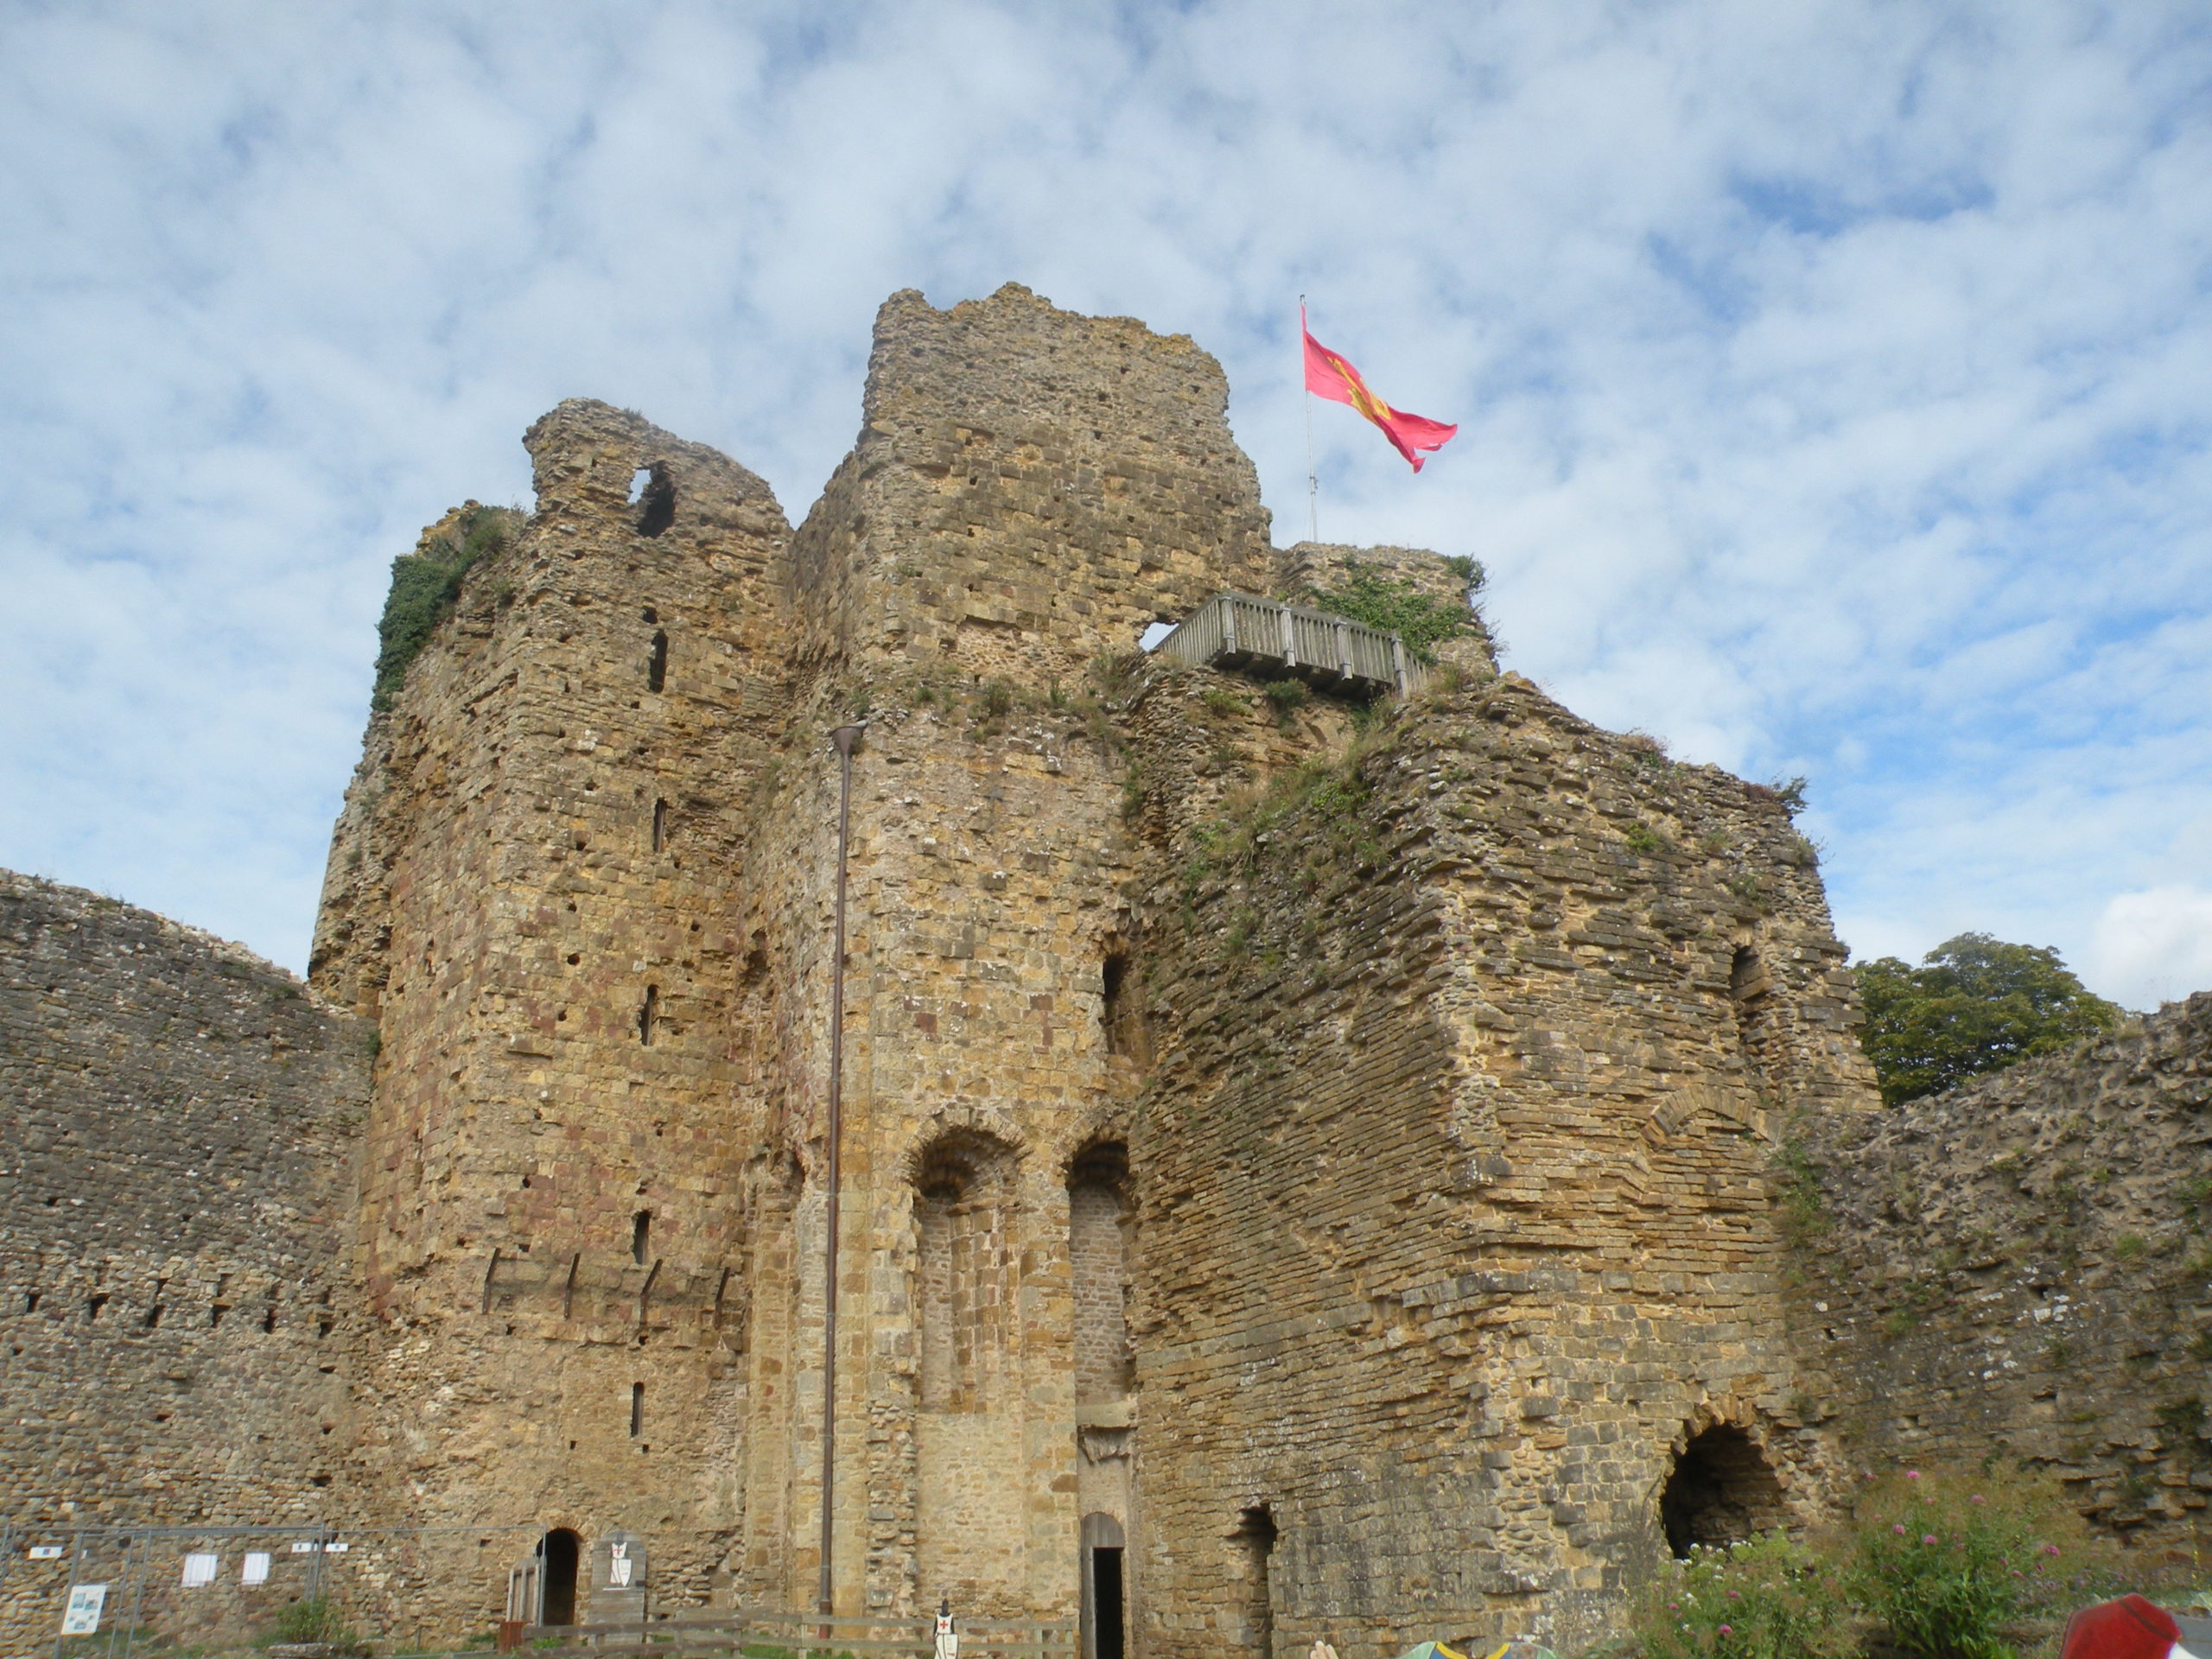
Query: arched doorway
pixel 1721 1490
pixel 1104 1596
pixel 557 1554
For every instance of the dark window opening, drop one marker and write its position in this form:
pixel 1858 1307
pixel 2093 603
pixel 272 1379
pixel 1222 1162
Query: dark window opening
pixel 657 665
pixel 269 1319
pixel 657 501
pixel 636 1409
pixel 1720 1491
pixel 1104 1618
pixel 660 825
pixel 30 1302
pixel 1121 1010
pixel 557 1577
pixel 652 615
pixel 92 1305
pixel 1255 1536
pixel 215 1315
pixel 1748 978
pixel 153 1316
pixel 641 1233
pixel 648 1014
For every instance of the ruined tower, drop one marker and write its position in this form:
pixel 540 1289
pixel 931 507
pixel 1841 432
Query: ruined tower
pixel 1339 1228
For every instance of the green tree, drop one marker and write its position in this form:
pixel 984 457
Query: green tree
pixel 1975 1004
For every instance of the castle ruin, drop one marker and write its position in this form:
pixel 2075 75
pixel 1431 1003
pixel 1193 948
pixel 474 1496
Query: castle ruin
pixel 1305 1166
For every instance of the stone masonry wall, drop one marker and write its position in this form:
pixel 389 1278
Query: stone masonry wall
pixel 531 890
pixel 1030 489
pixel 1458 1174
pixel 2020 1269
pixel 180 1122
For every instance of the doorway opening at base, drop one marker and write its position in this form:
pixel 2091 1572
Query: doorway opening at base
pixel 1105 1612
pixel 557 1554
pixel 1721 1490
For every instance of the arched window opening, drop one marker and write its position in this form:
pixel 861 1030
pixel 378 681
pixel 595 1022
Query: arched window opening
pixel 641 1236
pixel 1255 1541
pixel 962 1188
pixel 660 825
pixel 557 1554
pixel 648 1015
pixel 657 664
pixel 1121 1009
pixel 657 500
pixel 1719 1491
pixel 1099 1223
pixel 636 1409
pixel 1103 1617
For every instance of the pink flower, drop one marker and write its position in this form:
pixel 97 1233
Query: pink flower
pixel 1735 1595
pixel 1927 1537
pixel 1896 1525
pixel 1728 1630
pixel 1913 1474
pixel 1977 1498
pixel 2050 1549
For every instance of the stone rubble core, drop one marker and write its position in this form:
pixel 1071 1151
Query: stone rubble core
pixel 1309 1168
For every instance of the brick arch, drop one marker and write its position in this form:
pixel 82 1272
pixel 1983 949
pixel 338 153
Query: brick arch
pixel 964 1187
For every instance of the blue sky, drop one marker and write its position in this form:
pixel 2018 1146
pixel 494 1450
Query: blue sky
pixel 1834 381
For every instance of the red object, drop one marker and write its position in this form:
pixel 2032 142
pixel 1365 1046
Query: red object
pixel 2130 1627
pixel 1328 375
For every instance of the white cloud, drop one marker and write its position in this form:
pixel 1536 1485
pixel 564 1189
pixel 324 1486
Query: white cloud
pixel 2155 946
pixel 1832 378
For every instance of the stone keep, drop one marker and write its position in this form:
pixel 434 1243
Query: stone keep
pixel 1357 1228
pixel 1306 1169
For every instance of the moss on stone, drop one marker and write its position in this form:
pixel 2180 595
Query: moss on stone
pixel 426 584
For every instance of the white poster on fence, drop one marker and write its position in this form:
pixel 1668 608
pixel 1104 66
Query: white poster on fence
pixel 256 1570
pixel 199 1569
pixel 82 1616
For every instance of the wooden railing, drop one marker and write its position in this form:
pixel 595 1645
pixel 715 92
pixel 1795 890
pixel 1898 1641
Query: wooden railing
pixel 763 1634
pixel 1241 631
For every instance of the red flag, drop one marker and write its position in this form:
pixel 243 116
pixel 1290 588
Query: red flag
pixel 1328 375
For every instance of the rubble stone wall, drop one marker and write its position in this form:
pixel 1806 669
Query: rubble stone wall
pixel 180 1122
pixel 2022 1269
pixel 532 891
pixel 1458 1214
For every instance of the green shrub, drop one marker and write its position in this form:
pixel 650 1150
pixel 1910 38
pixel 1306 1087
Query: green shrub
pixel 1396 606
pixel 1949 1562
pixel 1766 1599
pixel 1286 697
pixel 425 585
pixel 317 1618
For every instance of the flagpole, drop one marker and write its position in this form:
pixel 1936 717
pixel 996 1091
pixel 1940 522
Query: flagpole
pixel 1313 479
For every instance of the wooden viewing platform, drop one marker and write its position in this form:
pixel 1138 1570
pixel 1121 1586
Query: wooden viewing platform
pixel 1241 631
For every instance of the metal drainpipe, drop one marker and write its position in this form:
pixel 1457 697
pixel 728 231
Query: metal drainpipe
pixel 845 737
